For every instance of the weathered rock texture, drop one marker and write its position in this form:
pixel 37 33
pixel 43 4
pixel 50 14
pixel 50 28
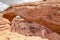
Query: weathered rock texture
pixel 1 15
pixel 21 29
pixel 26 28
pixel 43 13
pixel 6 34
pixel 4 24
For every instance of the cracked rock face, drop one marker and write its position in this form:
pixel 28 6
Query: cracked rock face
pixel 36 17
pixel 43 13
pixel 26 28
pixel 6 34
pixel 21 29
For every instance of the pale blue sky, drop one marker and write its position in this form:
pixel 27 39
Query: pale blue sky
pixel 5 3
pixel 3 6
pixel 17 1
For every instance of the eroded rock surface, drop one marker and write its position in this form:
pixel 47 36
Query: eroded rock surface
pixel 4 24
pixel 21 29
pixel 26 28
pixel 43 13
pixel 6 34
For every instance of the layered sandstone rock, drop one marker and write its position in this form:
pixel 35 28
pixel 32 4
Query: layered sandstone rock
pixel 1 15
pixel 26 28
pixel 43 13
pixel 6 34
pixel 4 24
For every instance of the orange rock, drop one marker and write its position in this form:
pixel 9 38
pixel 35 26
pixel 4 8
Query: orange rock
pixel 4 24
pixel 43 13
pixel 26 28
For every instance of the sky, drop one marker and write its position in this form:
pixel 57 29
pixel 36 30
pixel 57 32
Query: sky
pixel 5 3
pixel 3 6
pixel 17 1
